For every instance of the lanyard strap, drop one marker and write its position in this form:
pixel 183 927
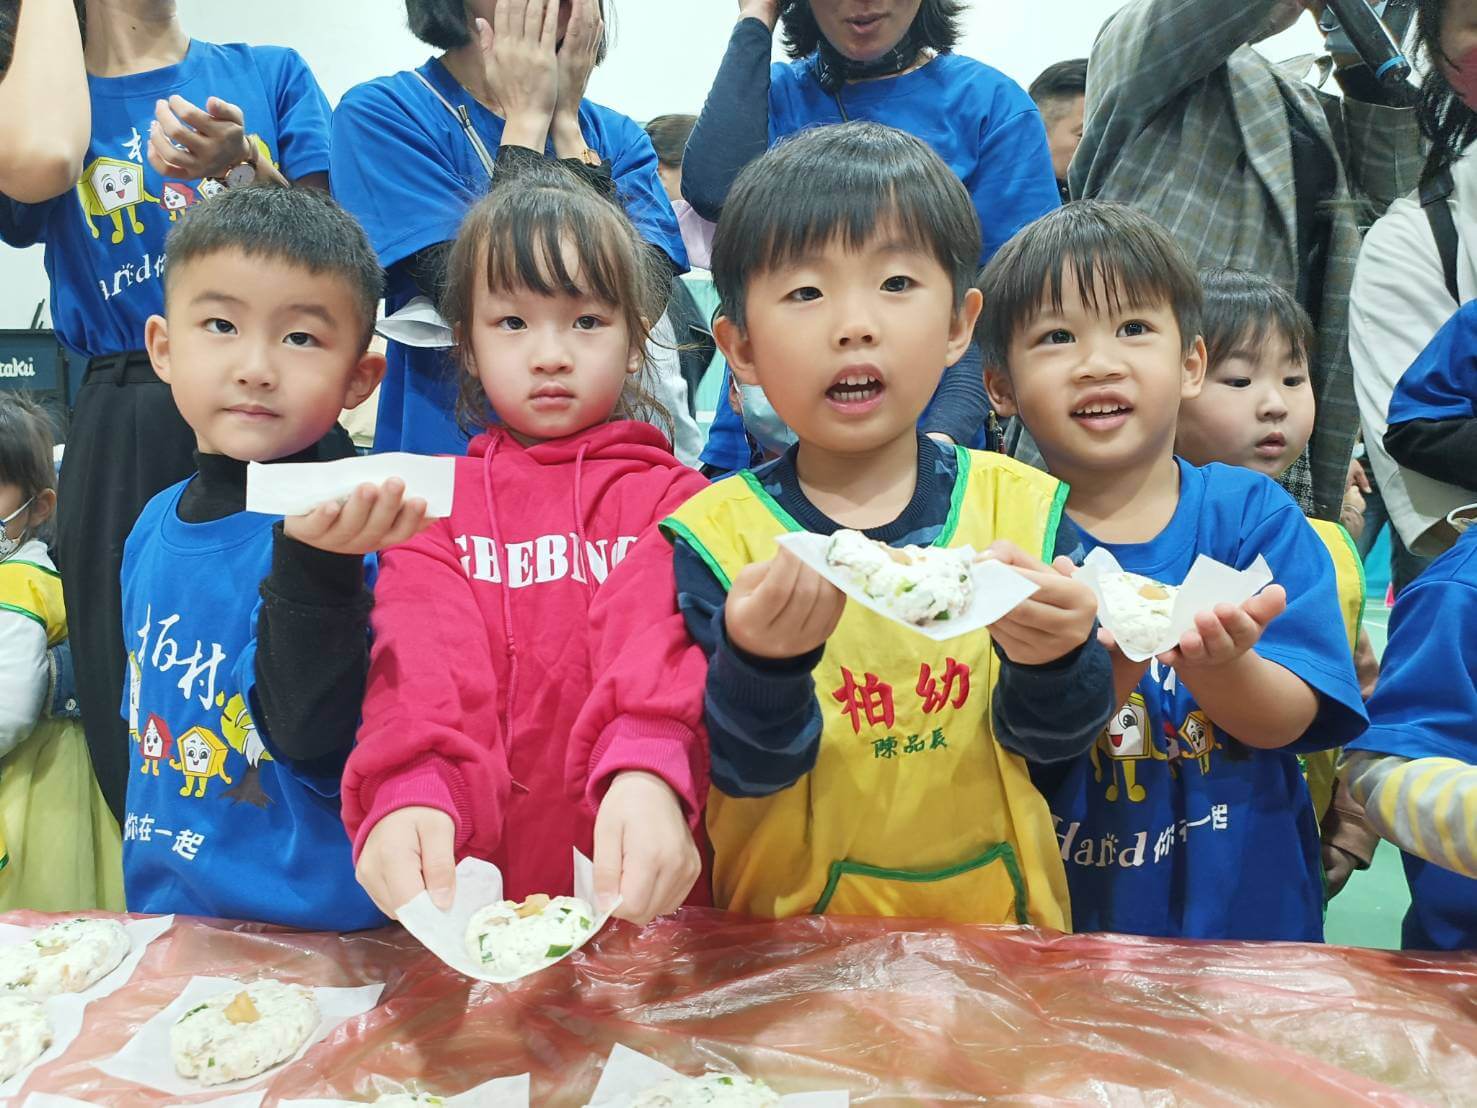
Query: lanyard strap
pixel 464 120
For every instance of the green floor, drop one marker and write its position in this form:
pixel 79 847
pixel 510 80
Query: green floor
pixel 1369 910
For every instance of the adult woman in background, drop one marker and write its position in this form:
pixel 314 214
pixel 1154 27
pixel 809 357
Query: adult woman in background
pixel 414 150
pixel 1403 291
pixel 888 61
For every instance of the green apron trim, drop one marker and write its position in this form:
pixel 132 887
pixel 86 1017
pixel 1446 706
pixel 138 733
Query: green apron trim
pixel 1054 522
pixel 23 612
pixel 956 501
pixel 672 526
pixel 1359 568
pixel 1001 852
pixel 771 505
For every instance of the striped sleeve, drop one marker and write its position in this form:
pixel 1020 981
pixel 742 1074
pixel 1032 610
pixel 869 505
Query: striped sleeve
pixel 1425 806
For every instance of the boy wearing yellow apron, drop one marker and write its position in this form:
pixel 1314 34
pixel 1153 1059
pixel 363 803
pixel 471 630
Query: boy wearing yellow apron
pixel 860 768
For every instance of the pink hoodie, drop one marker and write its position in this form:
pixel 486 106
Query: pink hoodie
pixel 484 652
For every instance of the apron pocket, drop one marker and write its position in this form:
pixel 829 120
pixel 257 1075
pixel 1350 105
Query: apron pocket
pixel 988 888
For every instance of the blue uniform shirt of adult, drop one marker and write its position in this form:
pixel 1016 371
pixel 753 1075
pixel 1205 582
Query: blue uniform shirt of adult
pixel 1171 826
pixel 1424 707
pixel 105 238
pixel 404 166
pixel 218 823
pixel 979 121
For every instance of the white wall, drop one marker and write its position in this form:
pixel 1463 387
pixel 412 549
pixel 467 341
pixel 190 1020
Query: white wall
pixel 665 54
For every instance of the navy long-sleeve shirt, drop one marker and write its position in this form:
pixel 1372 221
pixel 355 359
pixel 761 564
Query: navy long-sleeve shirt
pixel 763 718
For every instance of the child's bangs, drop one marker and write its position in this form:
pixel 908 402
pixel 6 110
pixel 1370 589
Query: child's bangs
pixel 554 253
pixel 851 218
pixel 1107 284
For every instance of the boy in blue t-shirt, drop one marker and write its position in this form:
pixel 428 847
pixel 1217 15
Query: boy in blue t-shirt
pixel 247 637
pixel 1189 817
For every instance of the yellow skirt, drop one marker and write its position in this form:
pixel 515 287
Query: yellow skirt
pixel 64 851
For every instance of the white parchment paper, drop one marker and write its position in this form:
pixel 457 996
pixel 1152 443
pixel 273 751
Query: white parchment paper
pixel 629 1073
pixel 295 488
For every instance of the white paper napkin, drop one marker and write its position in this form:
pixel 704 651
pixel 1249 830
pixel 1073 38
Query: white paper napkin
pixel 1208 583
pixel 66 1011
pixel 418 324
pixel 479 884
pixel 294 488
pixel 1463 518
pixel 502 1092
pixel 629 1073
pixel 146 1058
pixel 236 1100
pixel 997 589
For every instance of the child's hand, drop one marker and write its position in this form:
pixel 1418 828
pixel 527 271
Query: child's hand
pixel 781 608
pixel 1126 674
pixel 373 518
pixel 409 851
pixel 1338 866
pixel 1351 514
pixel 187 142
pixel 577 54
pixel 1227 633
pixel 644 851
pixel 519 55
pixel 1052 622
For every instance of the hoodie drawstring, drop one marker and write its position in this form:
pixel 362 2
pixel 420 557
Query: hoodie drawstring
pixel 509 637
pixel 579 519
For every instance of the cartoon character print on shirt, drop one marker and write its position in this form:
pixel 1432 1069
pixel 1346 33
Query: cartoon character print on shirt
pixel 113 188
pixel 155 744
pixel 1199 739
pixel 240 733
pixel 202 756
pixel 1125 743
pixel 178 197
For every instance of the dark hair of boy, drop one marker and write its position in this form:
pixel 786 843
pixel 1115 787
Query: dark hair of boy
pixel 936 26
pixel 846 182
pixel 1446 121
pixel 669 134
pixel 447 24
pixel 1243 309
pixel 1063 81
pixel 300 226
pixel 26 446
pixel 1119 258
pixel 514 240
pixel 10 12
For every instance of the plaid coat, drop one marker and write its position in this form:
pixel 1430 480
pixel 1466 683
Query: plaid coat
pixel 1189 124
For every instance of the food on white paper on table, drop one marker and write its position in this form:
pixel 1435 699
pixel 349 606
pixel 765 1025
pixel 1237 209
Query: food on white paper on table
pixel 710 1089
pixel 409 1100
pixel 914 584
pixel 67 957
pixel 244 1032
pixel 510 939
pixel 25 1033
pixel 1142 609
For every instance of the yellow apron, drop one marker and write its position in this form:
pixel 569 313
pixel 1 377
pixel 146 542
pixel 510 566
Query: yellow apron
pixel 1349 570
pixel 61 845
pixel 912 809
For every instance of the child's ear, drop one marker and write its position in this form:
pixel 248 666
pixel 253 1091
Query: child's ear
pixel 1001 392
pixel 961 331
pixel 737 349
pixel 42 507
pixel 156 342
pixel 1195 364
pixel 364 378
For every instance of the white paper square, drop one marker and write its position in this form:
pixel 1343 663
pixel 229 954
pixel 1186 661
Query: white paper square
pixel 629 1073
pixel 998 589
pixel 237 1100
pixel 502 1092
pixel 1208 583
pixel 67 1010
pixel 295 488
pixel 146 1058
pixel 479 884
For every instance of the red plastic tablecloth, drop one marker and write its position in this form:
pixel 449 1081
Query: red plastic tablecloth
pixel 895 1013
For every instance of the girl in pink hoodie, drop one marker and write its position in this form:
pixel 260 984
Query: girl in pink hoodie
pixel 485 645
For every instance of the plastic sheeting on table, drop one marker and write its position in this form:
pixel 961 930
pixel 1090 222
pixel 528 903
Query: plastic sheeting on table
pixel 894 1013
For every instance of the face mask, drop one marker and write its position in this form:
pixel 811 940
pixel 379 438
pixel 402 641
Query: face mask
pixel 8 545
pixel 763 422
pixel 1461 74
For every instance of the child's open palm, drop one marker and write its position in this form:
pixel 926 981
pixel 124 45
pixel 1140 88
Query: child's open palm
pixel 372 519
pixel 1227 632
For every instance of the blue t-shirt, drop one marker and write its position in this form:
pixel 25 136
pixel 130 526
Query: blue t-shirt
pixel 216 823
pixel 1170 826
pixel 1442 381
pixel 105 238
pixel 977 119
pixel 405 167
pixel 1424 707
